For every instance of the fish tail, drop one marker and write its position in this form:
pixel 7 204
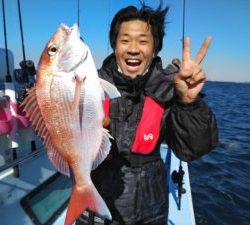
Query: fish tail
pixel 83 198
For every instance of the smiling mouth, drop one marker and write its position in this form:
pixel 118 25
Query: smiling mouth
pixel 133 62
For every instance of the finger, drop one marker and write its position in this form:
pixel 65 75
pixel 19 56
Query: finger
pixel 106 122
pixel 196 71
pixel 198 78
pixel 186 49
pixel 203 50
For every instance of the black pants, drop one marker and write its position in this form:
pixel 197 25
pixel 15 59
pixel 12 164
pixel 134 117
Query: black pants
pixel 134 196
pixel 139 223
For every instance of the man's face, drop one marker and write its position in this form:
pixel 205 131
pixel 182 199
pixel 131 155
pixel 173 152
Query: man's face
pixel 134 47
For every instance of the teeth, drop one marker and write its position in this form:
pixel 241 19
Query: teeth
pixel 133 61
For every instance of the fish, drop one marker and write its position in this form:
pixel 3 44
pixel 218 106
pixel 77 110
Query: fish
pixel 65 107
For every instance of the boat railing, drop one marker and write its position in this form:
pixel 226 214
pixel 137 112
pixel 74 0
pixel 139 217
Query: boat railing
pixel 12 167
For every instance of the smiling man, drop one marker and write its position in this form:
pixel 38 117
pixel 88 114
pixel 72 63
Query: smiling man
pixel 156 105
pixel 134 48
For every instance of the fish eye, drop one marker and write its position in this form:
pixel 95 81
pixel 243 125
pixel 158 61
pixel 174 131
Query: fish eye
pixel 52 50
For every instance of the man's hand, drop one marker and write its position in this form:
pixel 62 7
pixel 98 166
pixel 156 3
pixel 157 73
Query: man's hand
pixel 191 78
pixel 106 122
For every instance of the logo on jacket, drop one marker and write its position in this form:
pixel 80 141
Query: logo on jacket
pixel 148 137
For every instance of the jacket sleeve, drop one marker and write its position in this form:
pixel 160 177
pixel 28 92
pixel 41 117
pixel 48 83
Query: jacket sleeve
pixel 191 129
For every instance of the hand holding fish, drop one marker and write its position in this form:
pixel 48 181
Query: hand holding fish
pixel 191 78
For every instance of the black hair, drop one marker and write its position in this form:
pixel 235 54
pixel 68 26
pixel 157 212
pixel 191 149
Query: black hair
pixel 155 18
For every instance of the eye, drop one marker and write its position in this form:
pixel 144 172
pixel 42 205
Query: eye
pixel 124 41
pixel 143 42
pixel 52 50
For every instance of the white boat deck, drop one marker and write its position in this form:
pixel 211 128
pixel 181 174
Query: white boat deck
pixel 184 216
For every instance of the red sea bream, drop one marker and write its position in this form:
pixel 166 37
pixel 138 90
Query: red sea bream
pixel 65 107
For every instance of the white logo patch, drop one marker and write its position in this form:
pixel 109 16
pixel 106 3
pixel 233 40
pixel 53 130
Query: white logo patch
pixel 148 137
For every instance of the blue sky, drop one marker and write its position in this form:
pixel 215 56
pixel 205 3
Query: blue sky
pixel 227 21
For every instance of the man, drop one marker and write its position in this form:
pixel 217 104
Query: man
pixel 164 104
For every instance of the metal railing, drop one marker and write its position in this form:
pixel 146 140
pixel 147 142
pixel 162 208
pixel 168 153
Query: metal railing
pixel 13 166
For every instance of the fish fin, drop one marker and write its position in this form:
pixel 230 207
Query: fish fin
pixel 77 96
pixel 109 89
pixel 33 112
pixel 30 106
pixel 103 150
pixel 82 198
pixel 30 98
pixel 56 159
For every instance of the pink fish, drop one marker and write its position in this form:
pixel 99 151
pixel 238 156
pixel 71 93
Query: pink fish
pixel 65 107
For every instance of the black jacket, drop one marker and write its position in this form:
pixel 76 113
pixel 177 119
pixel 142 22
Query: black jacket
pixel 189 129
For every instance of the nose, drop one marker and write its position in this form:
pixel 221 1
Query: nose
pixel 133 53
pixel 133 49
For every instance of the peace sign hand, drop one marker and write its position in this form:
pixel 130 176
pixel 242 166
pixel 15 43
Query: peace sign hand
pixel 191 78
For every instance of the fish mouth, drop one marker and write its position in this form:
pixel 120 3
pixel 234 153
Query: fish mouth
pixel 72 61
pixel 65 27
pixel 75 28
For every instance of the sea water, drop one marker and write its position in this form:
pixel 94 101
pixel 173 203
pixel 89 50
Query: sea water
pixel 220 181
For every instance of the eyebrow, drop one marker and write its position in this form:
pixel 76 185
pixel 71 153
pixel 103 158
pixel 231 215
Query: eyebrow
pixel 140 35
